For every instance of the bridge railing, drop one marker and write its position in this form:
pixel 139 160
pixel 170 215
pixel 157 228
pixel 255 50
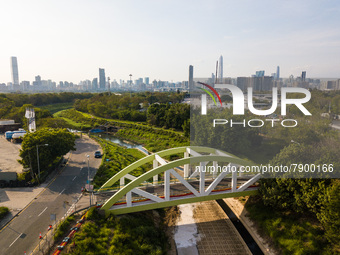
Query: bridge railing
pixel 138 199
pixel 208 176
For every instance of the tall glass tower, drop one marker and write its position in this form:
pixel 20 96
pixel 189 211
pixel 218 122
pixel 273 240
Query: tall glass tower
pixel 277 73
pixel 15 73
pixel 102 80
pixel 191 77
pixel 220 70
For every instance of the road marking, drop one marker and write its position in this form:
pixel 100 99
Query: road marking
pixel 41 192
pixel 74 178
pixel 62 192
pixel 42 211
pixel 15 240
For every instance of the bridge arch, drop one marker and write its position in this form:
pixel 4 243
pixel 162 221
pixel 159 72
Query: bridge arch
pixel 191 156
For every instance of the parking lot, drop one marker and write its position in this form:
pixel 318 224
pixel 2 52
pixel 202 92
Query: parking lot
pixel 9 155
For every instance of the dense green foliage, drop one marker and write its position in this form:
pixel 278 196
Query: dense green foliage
pixel 301 214
pixel 318 198
pixel 168 115
pixel 9 111
pixel 40 99
pixel 124 106
pixel 63 227
pixel 231 139
pixel 3 212
pixel 131 234
pixel 115 159
pixel 323 101
pixel 59 141
pixel 154 139
pixel 292 233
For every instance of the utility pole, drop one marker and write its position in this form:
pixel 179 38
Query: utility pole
pixel 38 157
pixel 88 176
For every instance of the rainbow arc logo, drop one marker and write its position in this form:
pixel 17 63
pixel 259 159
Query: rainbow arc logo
pixel 209 93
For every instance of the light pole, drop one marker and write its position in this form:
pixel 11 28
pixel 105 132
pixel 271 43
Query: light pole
pixel 88 176
pixel 38 157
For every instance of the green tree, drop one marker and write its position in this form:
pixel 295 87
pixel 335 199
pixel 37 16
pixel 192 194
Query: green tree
pixel 60 141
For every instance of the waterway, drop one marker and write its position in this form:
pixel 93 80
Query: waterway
pixel 123 143
pixel 248 239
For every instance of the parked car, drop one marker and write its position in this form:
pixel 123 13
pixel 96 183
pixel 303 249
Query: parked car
pixel 97 154
pixel 66 239
pixel 60 247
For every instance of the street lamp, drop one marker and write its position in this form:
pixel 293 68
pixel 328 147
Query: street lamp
pixel 88 176
pixel 38 157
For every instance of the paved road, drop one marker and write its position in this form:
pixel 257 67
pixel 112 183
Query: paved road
pixel 22 233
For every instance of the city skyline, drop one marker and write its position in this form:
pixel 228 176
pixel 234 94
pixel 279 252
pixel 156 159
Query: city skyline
pixel 161 39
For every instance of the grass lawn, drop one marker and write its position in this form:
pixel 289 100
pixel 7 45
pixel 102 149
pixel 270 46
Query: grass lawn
pixel 115 159
pixel 53 108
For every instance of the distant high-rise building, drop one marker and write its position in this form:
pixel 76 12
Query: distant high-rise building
pixel 303 76
pixel 15 73
pixel 277 73
pixel 220 70
pixel 146 80
pixel 191 77
pixel 102 80
pixel 259 73
pixel 95 83
pixel 213 78
pixel 37 81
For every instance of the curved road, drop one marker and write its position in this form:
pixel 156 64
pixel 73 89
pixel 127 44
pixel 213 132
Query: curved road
pixel 22 233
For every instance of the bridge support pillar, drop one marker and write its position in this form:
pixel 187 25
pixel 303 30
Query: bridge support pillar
pixel 167 185
pixel 234 181
pixel 128 199
pixel 155 177
pixel 202 178
pixel 215 169
pixel 121 182
pixel 186 166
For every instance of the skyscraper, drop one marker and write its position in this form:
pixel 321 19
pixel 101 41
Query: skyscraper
pixel 220 70
pixel 146 80
pixel 95 83
pixel 191 77
pixel 15 73
pixel 259 73
pixel 303 76
pixel 277 73
pixel 102 80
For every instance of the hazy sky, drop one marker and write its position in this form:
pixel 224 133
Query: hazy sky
pixel 70 39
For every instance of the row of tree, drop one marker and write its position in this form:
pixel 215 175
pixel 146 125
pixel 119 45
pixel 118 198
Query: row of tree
pixel 40 99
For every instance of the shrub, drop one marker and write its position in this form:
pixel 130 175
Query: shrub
pixel 3 212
